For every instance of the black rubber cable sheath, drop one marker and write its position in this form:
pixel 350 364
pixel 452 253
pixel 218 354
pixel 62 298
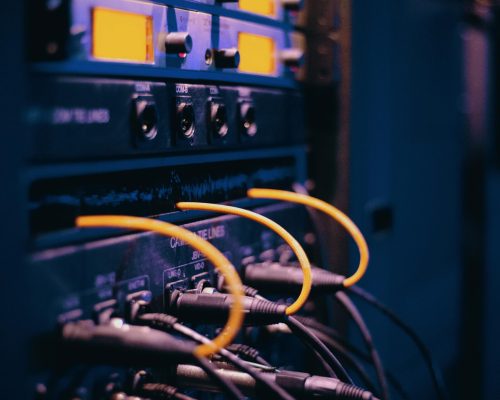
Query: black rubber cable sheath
pixel 356 316
pixel 437 378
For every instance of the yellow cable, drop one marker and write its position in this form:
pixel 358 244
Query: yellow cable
pixel 235 319
pixel 330 210
pixel 292 242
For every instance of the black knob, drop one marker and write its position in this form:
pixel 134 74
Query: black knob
pixel 292 5
pixel 224 58
pixel 178 42
pixel 292 58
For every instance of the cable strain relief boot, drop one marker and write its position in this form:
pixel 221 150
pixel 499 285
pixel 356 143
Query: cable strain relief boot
pixel 250 291
pixel 350 392
pixel 247 290
pixel 328 280
pixel 158 391
pixel 159 321
pixel 244 350
pixel 267 312
pixel 214 308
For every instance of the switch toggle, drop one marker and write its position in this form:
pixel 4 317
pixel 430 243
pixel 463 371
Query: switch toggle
pixel 178 43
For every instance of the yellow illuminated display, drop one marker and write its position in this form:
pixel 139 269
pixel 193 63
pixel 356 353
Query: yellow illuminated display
pixel 257 54
pixel 122 36
pixel 263 7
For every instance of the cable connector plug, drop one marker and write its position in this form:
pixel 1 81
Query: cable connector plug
pixel 162 391
pixel 248 353
pixel 299 384
pixel 247 290
pixel 159 321
pixel 277 278
pixel 214 308
pixel 123 344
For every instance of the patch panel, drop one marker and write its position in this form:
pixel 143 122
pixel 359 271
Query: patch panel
pixel 103 118
pixel 145 266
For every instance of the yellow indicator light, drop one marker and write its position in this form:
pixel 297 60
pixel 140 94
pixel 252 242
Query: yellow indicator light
pixel 257 54
pixel 122 36
pixel 263 7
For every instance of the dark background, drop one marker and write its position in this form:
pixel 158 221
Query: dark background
pixel 423 184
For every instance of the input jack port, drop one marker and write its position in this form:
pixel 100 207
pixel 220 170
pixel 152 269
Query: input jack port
pixel 248 119
pixel 186 120
pixel 218 119
pixel 145 117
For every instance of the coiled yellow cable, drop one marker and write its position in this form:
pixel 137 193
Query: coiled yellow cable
pixel 330 210
pixel 289 239
pixel 235 319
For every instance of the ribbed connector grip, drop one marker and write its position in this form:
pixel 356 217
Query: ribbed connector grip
pixel 276 278
pixel 213 308
pixel 245 351
pixel 158 391
pixel 161 322
pixel 349 392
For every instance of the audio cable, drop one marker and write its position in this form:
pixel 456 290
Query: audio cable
pixel 337 280
pixel 162 391
pixel 123 344
pixel 212 307
pixel 435 371
pixel 279 230
pixel 348 353
pixel 327 276
pixel 169 323
pixel 306 280
pixel 219 261
pixel 248 353
pixel 286 279
pixel 300 384
pixel 308 337
pixel 277 278
pixel 356 316
pixel 332 212
pixel 125 396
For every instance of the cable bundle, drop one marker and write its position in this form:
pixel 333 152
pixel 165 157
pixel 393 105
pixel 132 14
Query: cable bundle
pixel 162 340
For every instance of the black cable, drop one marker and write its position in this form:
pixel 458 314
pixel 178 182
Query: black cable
pixel 333 339
pixel 278 391
pixel 169 324
pixel 129 345
pixel 318 346
pixel 162 391
pixel 345 354
pixel 334 334
pixel 228 387
pixel 356 316
pixel 301 384
pixel 248 353
pixel 180 396
pixel 348 359
pixel 434 370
